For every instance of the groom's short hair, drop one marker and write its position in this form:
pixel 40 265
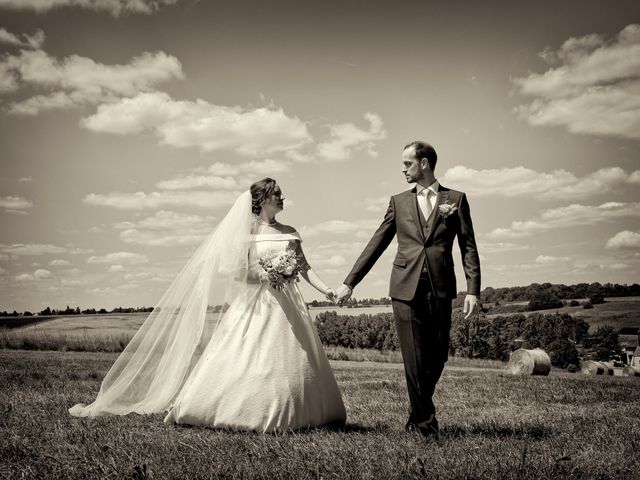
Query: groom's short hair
pixel 424 150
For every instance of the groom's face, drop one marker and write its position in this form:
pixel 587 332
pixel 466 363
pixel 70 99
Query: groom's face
pixel 411 166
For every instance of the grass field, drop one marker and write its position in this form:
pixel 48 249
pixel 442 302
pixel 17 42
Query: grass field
pixel 493 426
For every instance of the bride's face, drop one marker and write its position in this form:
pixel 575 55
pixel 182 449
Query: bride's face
pixel 274 203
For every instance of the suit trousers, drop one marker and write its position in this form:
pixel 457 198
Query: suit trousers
pixel 423 326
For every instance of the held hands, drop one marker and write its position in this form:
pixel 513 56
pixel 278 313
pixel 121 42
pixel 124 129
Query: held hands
pixel 470 305
pixel 330 294
pixel 343 294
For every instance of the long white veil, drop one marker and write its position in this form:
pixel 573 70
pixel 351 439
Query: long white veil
pixel 151 370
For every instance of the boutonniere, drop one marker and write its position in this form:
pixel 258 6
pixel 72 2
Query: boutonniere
pixel 447 209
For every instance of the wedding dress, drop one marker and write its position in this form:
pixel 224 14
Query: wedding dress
pixel 256 365
pixel 265 369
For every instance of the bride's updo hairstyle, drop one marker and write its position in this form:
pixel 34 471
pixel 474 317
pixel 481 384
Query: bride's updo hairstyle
pixel 260 192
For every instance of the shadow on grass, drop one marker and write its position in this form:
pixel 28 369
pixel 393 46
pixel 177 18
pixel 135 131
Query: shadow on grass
pixel 332 428
pixel 535 431
pixel 354 428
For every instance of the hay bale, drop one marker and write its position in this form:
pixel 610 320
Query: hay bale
pixel 631 371
pixel 529 362
pixel 591 367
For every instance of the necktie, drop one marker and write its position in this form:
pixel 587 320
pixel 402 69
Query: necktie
pixel 425 203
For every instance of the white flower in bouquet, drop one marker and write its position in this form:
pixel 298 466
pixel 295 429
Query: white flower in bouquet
pixel 282 270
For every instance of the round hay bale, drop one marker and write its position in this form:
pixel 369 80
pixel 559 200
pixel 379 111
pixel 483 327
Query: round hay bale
pixel 529 362
pixel 631 371
pixel 591 367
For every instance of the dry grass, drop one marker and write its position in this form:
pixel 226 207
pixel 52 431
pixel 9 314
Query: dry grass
pixel 494 426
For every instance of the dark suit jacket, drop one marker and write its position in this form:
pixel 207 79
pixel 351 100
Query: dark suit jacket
pixel 414 243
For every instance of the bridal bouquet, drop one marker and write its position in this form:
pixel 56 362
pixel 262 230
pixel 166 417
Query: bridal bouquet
pixel 282 269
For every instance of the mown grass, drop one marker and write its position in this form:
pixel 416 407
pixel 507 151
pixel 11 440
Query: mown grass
pixel 492 426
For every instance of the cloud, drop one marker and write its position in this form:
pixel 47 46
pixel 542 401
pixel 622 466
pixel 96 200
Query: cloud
pixel 550 260
pixel 258 167
pixel 186 182
pixel 114 7
pixel 31 249
pixel 126 258
pixel 525 182
pixel 593 86
pixel 42 274
pixel 154 200
pixel 59 263
pixel 500 247
pixel 221 176
pixel 166 228
pixel 346 138
pixel 624 239
pixel 39 274
pixel 76 80
pixel 15 204
pixel 25 179
pixel 565 217
pixel 27 41
pixel 341 227
pixel 376 205
pixel 209 127
pixel 116 268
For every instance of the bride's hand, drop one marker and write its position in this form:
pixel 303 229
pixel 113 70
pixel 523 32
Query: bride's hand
pixel 331 295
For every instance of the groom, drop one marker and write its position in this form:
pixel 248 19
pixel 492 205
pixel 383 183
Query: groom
pixel 426 220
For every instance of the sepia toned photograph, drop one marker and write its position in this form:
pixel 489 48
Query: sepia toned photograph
pixel 283 239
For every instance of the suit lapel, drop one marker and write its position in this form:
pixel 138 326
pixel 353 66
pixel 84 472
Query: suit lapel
pixel 441 198
pixel 413 208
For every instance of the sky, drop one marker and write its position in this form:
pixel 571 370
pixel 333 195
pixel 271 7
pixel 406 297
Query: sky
pixel 128 127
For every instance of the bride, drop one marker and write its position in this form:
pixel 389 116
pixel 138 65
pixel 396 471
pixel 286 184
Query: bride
pixel 258 364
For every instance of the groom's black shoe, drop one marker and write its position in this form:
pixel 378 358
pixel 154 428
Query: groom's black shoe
pixel 410 426
pixel 429 428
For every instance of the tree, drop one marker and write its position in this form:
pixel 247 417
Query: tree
pixel 596 299
pixel 563 353
pixel 605 343
pixel 544 301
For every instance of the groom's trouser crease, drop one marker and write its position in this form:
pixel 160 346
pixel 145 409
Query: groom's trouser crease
pixel 423 332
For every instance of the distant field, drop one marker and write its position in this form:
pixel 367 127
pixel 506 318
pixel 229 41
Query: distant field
pixel 128 323
pixel 89 325
pixel 618 312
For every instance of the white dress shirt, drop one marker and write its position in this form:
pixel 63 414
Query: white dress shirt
pixel 427 197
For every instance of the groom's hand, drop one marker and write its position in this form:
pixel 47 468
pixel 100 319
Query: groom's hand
pixel 470 305
pixel 343 293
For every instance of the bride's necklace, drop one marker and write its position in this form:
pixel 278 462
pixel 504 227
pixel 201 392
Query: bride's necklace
pixel 262 222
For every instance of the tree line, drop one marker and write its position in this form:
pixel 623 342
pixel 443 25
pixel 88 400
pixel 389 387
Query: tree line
pixel 48 311
pixel 560 291
pixel 539 295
